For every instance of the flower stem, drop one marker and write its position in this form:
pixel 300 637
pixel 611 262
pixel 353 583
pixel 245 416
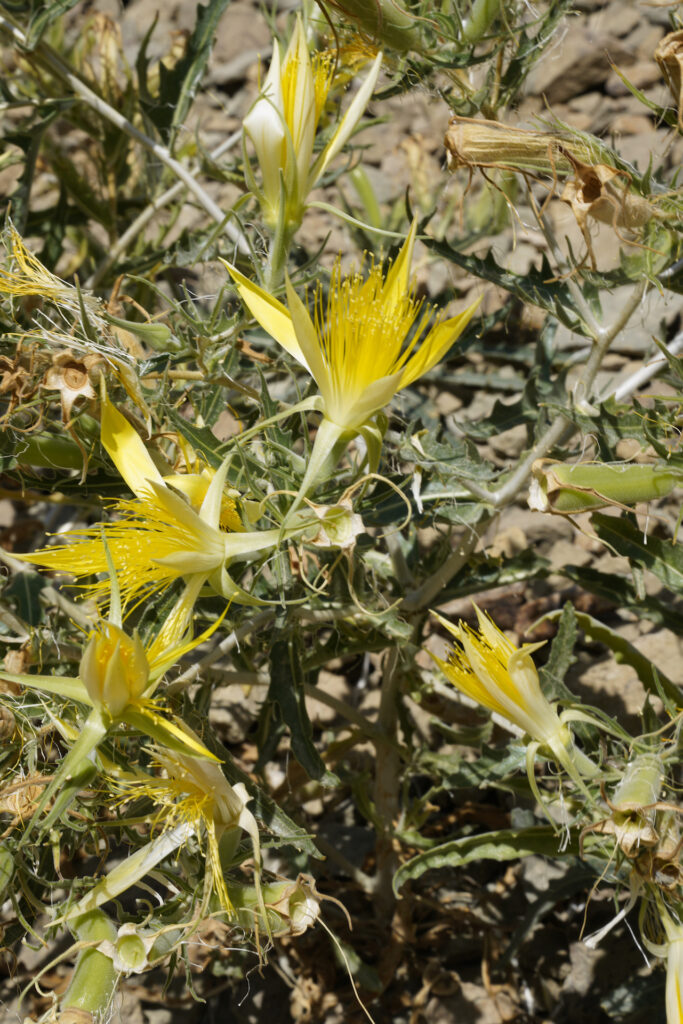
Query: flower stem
pixel 387 786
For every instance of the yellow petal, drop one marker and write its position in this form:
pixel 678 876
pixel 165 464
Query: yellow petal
pixel 436 344
pixel 396 282
pixel 309 343
pixel 348 122
pixel 127 451
pixel 271 314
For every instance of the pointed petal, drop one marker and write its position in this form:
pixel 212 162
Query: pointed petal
pixel 168 732
pixel 212 504
pixel 436 344
pixel 273 317
pixel 127 451
pixel 265 126
pixel 167 645
pixel 70 687
pixel 348 122
pixel 398 278
pixel 309 343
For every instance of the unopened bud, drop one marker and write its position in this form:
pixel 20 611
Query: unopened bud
pixel 384 20
pixel 114 669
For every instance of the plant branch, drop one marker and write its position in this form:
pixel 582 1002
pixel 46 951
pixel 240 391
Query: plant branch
pixel 58 67
pixel 134 229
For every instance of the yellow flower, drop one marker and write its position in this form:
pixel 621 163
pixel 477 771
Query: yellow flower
pixel 161 535
pixel 194 797
pixel 283 122
pixel 488 667
pixel 357 346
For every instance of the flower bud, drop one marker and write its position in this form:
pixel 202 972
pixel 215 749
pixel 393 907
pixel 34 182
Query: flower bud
pixel 569 489
pixel 114 669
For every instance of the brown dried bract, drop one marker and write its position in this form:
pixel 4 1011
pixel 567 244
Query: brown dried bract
pixel 73 377
pixel 669 56
pixel 601 192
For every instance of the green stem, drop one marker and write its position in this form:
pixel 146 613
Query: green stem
pixel 330 443
pixel 94 979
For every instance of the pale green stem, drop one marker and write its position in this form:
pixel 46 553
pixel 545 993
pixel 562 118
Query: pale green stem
pixel 94 978
pixel 73 774
pixel 431 588
pixel 278 252
pixel 330 443
pixel 386 789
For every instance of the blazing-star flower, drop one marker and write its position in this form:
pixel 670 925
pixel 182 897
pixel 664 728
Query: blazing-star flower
pixel 197 792
pixel 193 798
pixel 283 122
pixel 366 342
pixel 117 679
pixel 488 668
pixel 181 526
pixel 357 345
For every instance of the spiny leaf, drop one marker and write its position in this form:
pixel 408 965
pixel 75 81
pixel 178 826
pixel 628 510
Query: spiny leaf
pixel 561 657
pixel 505 844
pixel 536 286
pixel 662 557
pixel 178 85
pixel 287 691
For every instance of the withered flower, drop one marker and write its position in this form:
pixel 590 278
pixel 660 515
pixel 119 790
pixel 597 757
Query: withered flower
pixel 73 377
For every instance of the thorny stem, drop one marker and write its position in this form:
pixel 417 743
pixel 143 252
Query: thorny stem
pixel 132 232
pixel 57 65
pixel 387 786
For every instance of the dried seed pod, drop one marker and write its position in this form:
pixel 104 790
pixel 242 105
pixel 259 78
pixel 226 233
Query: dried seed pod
pixel 669 56
pixel 475 142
